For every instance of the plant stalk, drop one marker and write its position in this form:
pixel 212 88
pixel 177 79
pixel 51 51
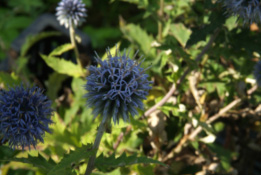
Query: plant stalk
pixel 95 147
pixel 72 38
pixel 160 15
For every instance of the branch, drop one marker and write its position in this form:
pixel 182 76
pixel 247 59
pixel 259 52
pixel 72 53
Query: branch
pixel 174 87
pixel 213 118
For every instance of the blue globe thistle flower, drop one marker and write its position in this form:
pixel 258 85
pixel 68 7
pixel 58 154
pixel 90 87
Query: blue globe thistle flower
pixel 24 116
pixel 248 10
pixel 71 12
pixel 116 88
pixel 257 73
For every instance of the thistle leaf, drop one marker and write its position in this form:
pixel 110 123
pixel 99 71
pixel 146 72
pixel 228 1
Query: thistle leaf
pixel 74 157
pixel 38 161
pixel 63 66
pixel 103 163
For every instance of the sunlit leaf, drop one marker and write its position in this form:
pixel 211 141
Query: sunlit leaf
pixel 61 49
pixel 181 33
pixel 63 66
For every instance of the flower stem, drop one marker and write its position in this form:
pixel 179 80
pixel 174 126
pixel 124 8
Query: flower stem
pixel 160 15
pixel 72 37
pixel 95 147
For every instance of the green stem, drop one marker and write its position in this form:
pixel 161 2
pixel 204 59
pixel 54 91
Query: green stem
pixel 160 15
pixel 95 147
pixel 72 37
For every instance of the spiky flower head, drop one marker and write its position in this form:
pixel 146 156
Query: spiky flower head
pixel 248 10
pixel 257 73
pixel 116 88
pixel 24 116
pixel 71 12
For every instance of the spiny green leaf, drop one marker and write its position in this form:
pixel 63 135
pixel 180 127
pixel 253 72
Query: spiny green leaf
pixel 61 49
pixel 38 161
pixel 102 163
pixel 63 66
pixel 64 166
pixel 31 40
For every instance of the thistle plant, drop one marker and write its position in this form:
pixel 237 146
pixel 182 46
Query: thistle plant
pixel 248 10
pixel 71 13
pixel 257 73
pixel 115 91
pixel 24 116
pixel 116 88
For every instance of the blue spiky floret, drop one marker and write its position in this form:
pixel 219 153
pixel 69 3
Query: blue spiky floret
pixel 71 12
pixel 257 73
pixel 116 88
pixel 248 10
pixel 24 116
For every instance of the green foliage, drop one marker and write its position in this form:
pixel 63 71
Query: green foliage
pixel 74 157
pixel 9 79
pixel 103 163
pixel 137 35
pixel 200 34
pixel 38 161
pixel 55 81
pixel 61 65
pixel 180 32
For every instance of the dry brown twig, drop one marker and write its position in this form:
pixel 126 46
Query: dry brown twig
pixel 213 118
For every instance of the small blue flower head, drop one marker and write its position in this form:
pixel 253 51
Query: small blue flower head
pixel 257 73
pixel 248 10
pixel 24 116
pixel 71 12
pixel 116 88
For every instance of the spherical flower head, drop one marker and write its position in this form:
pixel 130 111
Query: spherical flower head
pixel 248 10
pixel 116 88
pixel 257 73
pixel 71 12
pixel 24 116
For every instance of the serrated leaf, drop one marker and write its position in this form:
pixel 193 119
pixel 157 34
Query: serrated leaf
pixel 61 49
pixel 39 161
pixel 64 166
pixel 31 40
pixel 63 66
pixel 102 163
pixel 180 32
